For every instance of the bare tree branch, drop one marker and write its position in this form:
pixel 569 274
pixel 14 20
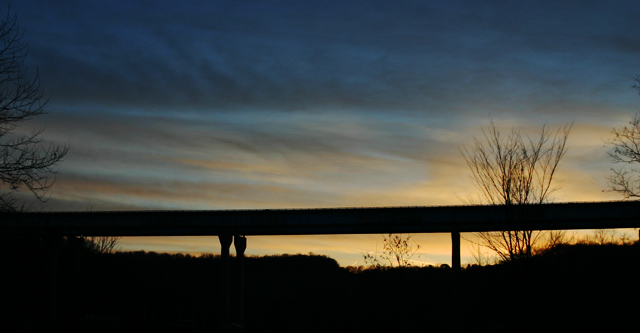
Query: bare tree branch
pixel 625 143
pixel 102 245
pixel 25 161
pixel 397 250
pixel 515 170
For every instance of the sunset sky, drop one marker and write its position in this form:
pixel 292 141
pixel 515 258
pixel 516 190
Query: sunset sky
pixel 298 104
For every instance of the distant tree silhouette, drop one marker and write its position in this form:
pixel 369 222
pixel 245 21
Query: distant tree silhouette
pixel 397 250
pixel 515 169
pixel 607 237
pixel 625 141
pixel 103 244
pixel 25 162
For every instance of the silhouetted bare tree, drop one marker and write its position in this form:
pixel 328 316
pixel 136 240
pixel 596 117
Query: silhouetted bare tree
pixel 515 169
pixel 626 149
pixel 103 244
pixel 25 161
pixel 625 141
pixel 397 250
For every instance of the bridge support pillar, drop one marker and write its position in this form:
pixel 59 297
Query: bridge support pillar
pixel 240 243
pixel 455 250
pixel 233 320
pixel 53 242
pixel 225 243
pixel 455 267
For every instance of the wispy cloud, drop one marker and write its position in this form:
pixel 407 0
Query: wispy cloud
pixel 336 56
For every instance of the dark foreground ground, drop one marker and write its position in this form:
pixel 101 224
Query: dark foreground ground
pixel 571 288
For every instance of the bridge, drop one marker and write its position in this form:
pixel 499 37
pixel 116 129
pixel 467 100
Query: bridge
pixel 225 223
pixel 233 226
pixel 436 219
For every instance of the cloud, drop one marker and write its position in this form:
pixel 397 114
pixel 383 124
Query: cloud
pixel 271 160
pixel 367 56
pixel 142 161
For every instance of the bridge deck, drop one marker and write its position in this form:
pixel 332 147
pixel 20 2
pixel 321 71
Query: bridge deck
pixel 619 214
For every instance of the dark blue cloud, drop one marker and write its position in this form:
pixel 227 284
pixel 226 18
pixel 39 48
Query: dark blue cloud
pixel 365 55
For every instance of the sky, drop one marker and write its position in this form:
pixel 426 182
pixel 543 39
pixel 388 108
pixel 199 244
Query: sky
pixel 296 104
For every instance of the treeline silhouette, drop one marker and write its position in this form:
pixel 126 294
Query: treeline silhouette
pixel 566 288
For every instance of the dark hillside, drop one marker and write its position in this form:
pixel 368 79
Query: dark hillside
pixel 564 289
